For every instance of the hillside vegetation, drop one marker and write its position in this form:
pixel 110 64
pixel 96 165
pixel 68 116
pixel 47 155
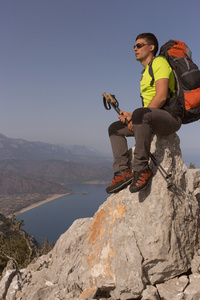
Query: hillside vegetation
pixel 16 245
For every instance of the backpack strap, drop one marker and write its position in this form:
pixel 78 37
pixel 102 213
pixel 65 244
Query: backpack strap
pixel 151 71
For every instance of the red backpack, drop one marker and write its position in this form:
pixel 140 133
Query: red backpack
pixel 186 102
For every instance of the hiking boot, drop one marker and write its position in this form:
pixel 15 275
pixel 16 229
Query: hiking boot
pixel 140 180
pixel 120 181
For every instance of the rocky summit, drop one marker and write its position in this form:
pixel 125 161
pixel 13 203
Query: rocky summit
pixel 136 246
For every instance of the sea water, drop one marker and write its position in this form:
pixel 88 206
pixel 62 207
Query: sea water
pixel 53 218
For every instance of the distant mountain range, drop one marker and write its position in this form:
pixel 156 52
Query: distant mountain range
pixel 12 183
pixel 21 149
pixel 62 172
pixel 37 164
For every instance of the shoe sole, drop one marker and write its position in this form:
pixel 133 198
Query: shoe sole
pixel 121 187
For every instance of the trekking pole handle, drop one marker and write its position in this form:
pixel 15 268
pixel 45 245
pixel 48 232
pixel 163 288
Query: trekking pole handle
pixel 105 96
pixel 116 107
pixel 111 100
pixel 114 104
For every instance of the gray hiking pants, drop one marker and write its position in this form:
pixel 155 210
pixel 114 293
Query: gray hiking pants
pixel 145 122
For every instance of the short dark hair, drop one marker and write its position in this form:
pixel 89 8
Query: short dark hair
pixel 150 38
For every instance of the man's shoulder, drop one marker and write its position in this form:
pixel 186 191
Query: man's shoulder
pixel 159 61
pixel 160 68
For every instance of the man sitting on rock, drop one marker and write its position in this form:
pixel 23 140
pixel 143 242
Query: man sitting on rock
pixel 151 118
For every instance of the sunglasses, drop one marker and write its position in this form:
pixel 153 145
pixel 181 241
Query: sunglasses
pixel 139 45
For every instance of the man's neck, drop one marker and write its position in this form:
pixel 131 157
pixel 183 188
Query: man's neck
pixel 147 60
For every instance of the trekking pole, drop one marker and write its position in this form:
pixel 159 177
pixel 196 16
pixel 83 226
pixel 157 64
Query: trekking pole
pixel 109 100
pixel 164 174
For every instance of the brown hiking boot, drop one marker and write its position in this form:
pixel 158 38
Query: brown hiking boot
pixel 120 181
pixel 140 180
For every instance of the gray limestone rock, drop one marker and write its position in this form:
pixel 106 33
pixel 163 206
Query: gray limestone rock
pixel 132 243
pixel 173 288
pixel 150 293
pixel 5 282
pixel 192 292
pixel 195 264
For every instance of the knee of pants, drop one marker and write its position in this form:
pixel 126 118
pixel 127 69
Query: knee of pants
pixel 112 129
pixel 138 115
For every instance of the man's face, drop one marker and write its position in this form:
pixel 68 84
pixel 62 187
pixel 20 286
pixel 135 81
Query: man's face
pixel 142 49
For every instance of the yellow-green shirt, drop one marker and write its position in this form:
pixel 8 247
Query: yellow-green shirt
pixel 161 69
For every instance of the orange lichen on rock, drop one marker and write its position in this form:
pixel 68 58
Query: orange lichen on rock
pixel 87 293
pixel 100 248
pixel 93 256
pixel 97 227
pixel 119 212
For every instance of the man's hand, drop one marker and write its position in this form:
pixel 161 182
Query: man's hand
pixel 124 115
pixel 130 126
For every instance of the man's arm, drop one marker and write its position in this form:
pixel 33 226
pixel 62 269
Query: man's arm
pixel 161 86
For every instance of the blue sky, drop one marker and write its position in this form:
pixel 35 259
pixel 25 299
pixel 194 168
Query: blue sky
pixel 58 56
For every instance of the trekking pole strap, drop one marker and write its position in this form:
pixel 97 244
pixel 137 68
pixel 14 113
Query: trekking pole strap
pixel 106 101
pixel 111 100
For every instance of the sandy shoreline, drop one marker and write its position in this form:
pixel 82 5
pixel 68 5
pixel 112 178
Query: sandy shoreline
pixel 53 197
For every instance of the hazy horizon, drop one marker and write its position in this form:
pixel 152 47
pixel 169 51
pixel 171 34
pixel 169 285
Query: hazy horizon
pixel 58 57
pixel 189 155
